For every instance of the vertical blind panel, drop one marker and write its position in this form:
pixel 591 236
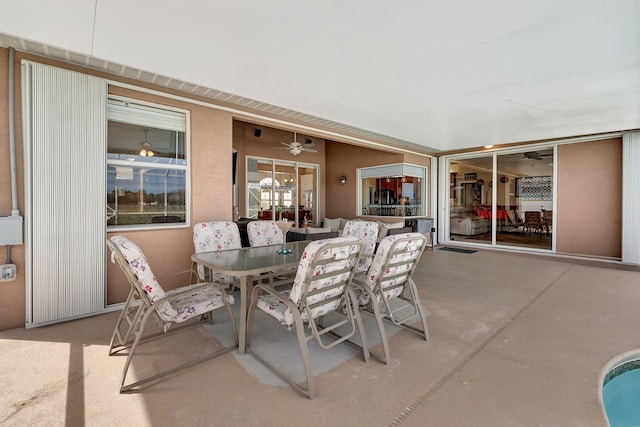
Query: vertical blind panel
pixel 68 176
pixel 630 198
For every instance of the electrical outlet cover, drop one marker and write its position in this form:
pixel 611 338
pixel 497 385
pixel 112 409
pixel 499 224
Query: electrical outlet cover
pixel 8 272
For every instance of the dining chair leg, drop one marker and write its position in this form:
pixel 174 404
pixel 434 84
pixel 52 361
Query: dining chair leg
pixel 303 341
pixel 420 309
pixel 366 353
pixel 138 332
pixel 383 334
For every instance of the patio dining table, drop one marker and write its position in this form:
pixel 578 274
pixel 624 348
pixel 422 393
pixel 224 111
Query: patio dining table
pixel 247 263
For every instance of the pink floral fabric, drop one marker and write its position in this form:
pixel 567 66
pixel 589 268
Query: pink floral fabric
pixel 180 308
pixel 263 233
pixel 216 236
pixel 410 250
pixel 367 233
pixel 342 256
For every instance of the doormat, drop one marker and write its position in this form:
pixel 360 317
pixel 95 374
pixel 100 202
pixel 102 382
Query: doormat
pixel 462 251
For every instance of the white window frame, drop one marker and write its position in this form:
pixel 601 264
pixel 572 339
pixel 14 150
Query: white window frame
pixel 133 111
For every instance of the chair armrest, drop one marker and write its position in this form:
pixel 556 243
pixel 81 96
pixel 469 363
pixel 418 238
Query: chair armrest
pixel 268 289
pixel 173 293
pixel 193 275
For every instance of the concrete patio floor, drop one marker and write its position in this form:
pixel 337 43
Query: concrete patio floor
pixel 515 341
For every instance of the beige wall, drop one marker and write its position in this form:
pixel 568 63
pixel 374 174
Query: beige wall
pixel 343 159
pixel 590 198
pixel 247 144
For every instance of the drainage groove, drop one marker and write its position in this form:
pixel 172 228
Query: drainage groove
pixel 422 397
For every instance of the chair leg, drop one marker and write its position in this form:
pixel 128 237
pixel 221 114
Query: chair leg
pixel 366 353
pixel 383 333
pixel 138 332
pixel 420 310
pixel 131 315
pixel 310 392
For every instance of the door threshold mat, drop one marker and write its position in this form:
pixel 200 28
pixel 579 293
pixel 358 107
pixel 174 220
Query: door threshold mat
pixel 462 251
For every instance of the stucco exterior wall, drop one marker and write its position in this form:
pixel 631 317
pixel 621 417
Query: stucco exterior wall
pixel 590 198
pixel 345 159
pixel 247 144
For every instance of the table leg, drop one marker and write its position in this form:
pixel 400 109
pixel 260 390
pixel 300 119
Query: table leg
pixel 242 333
pixel 246 288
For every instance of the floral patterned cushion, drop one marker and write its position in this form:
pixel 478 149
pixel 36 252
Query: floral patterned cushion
pixel 410 251
pixel 216 236
pixel 367 233
pixel 138 263
pixel 176 309
pixel 305 274
pixel 197 302
pixel 263 233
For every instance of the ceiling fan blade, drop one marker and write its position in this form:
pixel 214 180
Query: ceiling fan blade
pixel 286 144
pixel 309 150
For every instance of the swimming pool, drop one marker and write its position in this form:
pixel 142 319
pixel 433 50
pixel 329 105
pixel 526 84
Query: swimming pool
pixel 621 394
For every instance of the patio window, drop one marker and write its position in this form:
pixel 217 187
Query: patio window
pixel 147 166
pixel 393 190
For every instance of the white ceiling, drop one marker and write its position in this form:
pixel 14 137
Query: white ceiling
pixel 440 74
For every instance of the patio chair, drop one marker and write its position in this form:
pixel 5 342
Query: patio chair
pixel 215 236
pixel 532 223
pixel 367 233
pixel 547 220
pixel 321 287
pixel 148 300
pixel 388 291
pixel 263 233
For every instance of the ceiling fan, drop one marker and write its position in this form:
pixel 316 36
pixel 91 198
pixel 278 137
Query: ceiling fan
pixel 296 147
pixel 534 155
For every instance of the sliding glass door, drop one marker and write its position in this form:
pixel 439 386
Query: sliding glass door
pixel 470 199
pixel 503 199
pixel 526 193
pixel 278 189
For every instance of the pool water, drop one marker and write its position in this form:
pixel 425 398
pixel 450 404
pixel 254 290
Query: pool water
pixel 621 394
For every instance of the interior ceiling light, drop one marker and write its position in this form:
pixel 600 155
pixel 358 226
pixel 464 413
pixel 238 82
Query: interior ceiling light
pixel 145 146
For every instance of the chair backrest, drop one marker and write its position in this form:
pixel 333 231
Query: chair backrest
pixel 325 270
pixel 134 264
pixel 394 263
pixel 367 233
pixel 532 217
pixel 547 215
pixel 214 236
pixel 262 233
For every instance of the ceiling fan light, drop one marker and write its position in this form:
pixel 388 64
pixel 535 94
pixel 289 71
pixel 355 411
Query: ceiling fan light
pixel 145 146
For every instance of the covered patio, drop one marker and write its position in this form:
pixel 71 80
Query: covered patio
pixel 515 340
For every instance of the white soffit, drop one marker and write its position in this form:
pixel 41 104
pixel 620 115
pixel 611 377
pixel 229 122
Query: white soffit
pixel 442 75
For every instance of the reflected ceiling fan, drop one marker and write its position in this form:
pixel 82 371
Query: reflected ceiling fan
pixel 534 155
pixel 296 147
